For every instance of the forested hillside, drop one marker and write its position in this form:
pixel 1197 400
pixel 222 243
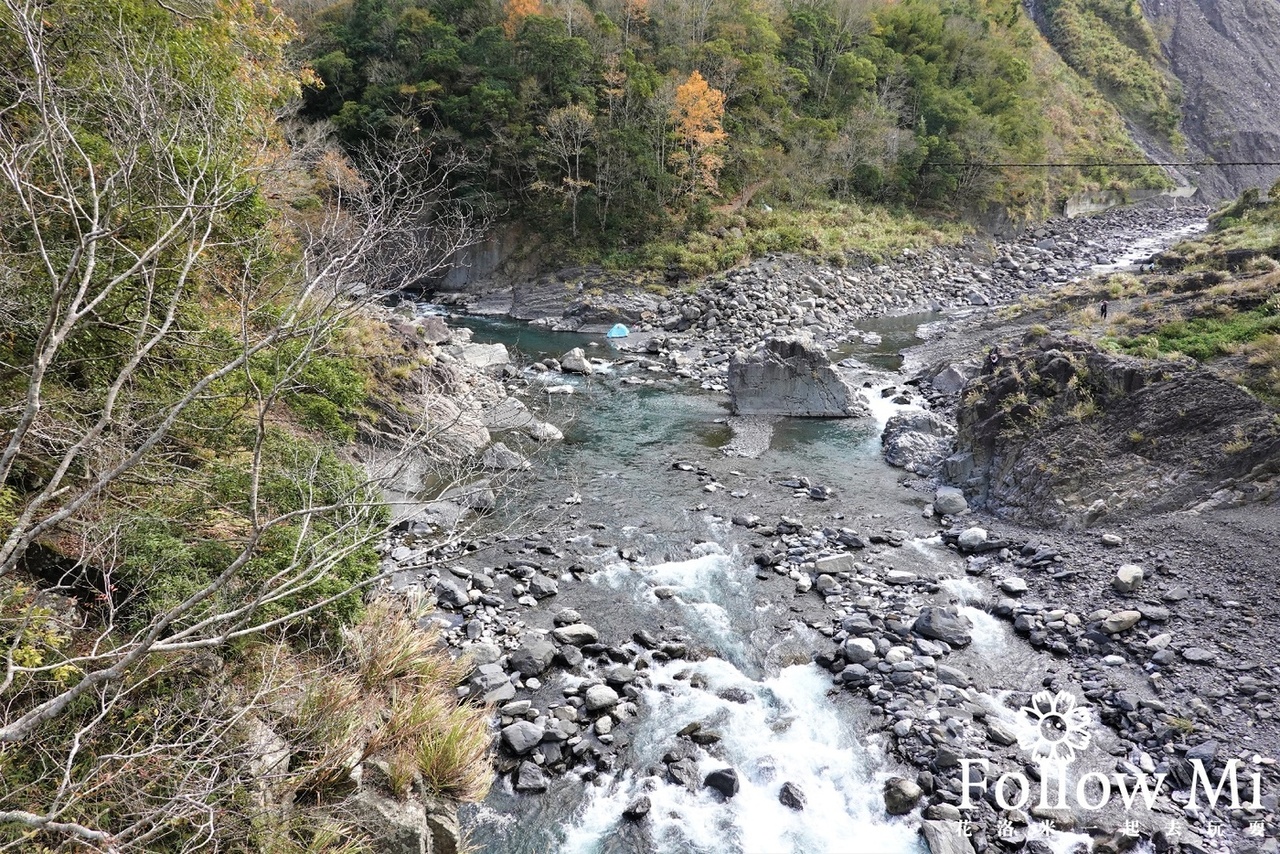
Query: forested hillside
pixel 623 121
pixel 185 537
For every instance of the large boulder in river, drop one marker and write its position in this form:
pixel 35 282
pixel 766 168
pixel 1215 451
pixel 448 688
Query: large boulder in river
pixel 940 624
pixel 791 375
pixel 917 441
pixel 575 362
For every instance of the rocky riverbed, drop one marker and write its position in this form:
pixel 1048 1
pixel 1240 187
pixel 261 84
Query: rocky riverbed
pixel 938 626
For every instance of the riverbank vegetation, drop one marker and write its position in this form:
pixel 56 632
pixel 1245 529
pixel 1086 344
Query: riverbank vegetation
pixel 182 528
pixel 624 128
pixel 1215 299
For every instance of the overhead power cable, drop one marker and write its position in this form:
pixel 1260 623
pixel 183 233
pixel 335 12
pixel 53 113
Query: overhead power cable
pixel 1197 163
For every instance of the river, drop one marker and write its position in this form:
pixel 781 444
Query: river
pixel 776 715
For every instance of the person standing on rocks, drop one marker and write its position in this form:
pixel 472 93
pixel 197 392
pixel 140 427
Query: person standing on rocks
pixel 1102 309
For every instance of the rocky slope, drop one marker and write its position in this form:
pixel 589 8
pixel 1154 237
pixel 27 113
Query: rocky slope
pixel 1060 433
pixel 1226 53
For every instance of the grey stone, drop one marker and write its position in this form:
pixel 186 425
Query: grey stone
pixel 791 796
pixel 530 778
pixel 972 538
pixel 723 780
pixel 394 826
pixel 901 795
pixel 942 812
pixel 791 375
pixel 498 457
pixel 600 697
pixel 576 634
pixel 917 441
pixel 433 330
pixel 533 658
pixel 1121 621
pixel 949 675
pixel 575 362
pixel 1199 655
pixel 451 593
pixel 1205 752
pixel 949 501
pixel 683 772
pixel 637 809
pixel 940 624
pixel 945 837
pixel 835 563
pixel 481 355
pixel 859 650
pixel 1014 586
pixel 540 586
pixel 951 379
pixel 1128 578
pixel 521 737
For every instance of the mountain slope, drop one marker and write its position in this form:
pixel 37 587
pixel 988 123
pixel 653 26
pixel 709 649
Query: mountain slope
pixel 1226 53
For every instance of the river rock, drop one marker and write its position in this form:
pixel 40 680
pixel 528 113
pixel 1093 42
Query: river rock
pixel 1128 578
pixel 835 563
pixel 917 441
pixel 576 634
pixel 951 379
pixel 723 780
pixel 901 795
pixel 533 658
pixel 600 697
pixel 433 330
pixel 949 501
pixel 575 362
pixel 566 617
pixel 791 375
pixel 481 355
pixel 451 593
pixel 945 837
pixel 478 496
pixel 521 737
pixel 1013 585
pixel 859 650
pixel 683 772
pixel 541 586
pixel 792 797
pixel 498 457
pixel 940 624
pixel 530 778
pixel 637 809
pixel 1121 621
pixel 826 584
pixel 1199 655
pixel 972 538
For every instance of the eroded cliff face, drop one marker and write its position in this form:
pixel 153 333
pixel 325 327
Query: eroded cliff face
pixel 1061 434
pixel 1226 53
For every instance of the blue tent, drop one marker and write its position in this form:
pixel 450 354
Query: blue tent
pixel 618 331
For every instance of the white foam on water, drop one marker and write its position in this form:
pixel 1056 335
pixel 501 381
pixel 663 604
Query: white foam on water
pixel 965 589
pixel 788 732
pixel 931 548
pixel 883 408
pixel 1144 247
pixel 703 586
pixel 988 633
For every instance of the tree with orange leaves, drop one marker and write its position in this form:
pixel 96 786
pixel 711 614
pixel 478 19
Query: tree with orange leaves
pixel 698 111
pixel 517 11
